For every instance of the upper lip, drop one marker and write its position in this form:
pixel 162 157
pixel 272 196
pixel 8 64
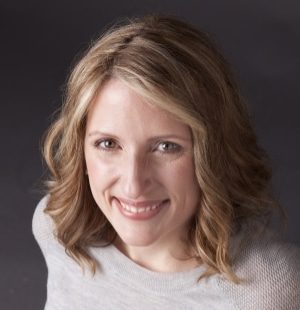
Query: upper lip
pixel 140 204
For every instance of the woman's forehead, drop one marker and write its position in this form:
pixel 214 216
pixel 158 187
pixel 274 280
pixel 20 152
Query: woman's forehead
pixel 119 107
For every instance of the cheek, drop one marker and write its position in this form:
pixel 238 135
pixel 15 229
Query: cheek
pixel 100 173
pixel 185 184
pixel 97 164
pixel 180 174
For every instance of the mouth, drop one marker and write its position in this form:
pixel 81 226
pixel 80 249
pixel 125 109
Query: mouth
pixel 140 210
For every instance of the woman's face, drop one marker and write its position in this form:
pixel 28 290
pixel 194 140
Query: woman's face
pixel 140 167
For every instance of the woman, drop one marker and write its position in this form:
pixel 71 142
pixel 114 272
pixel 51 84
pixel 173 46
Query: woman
pixel 157 186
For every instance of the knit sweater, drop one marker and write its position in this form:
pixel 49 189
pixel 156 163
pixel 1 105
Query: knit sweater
pixel 270 271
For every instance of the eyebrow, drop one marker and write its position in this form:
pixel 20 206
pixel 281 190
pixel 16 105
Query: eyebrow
pixel 168 136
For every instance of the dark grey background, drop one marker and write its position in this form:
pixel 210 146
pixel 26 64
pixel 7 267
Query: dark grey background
pixel 39 40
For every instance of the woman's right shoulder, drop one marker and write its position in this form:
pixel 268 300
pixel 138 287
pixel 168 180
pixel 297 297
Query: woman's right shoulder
pixel 42 224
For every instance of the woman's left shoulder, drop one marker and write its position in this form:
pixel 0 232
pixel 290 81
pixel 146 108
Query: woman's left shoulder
pixel 269 272
pixel 269 268
pixel 274 257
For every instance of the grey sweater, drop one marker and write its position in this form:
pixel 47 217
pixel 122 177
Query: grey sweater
pixel 270 269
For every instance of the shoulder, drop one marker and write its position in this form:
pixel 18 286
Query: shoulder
pixel 42 225
pixel 270 273
pixel 268 260
pixel 269 255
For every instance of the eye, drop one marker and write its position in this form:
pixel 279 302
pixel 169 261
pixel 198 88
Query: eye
pixel 106 144
pixel 168 147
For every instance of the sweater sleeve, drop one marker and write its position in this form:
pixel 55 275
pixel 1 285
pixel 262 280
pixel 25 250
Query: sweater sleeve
pixel 271 274
pixel 286 277
pixel 42 226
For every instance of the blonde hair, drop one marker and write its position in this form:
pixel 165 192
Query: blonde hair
pixel 179 69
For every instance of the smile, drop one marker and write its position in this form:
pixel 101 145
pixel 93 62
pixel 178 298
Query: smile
pixel 140 209
pixel 143 210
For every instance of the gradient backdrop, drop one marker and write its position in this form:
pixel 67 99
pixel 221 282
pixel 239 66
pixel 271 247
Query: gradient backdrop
pixel 39 41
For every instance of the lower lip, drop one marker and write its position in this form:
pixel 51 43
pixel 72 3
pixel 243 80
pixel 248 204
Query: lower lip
pixel 143 215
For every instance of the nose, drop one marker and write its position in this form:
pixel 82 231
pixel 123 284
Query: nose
pixel 136 176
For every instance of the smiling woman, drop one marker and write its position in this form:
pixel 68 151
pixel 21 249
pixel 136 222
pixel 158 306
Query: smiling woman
pixel 157 183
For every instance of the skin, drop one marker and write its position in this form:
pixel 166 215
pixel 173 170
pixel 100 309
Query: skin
pixel 139 153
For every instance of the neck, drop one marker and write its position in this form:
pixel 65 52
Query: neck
pixel 166 258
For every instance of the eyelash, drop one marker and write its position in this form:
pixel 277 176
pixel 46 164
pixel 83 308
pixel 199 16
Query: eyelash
pixel 98 145
pixel 175 148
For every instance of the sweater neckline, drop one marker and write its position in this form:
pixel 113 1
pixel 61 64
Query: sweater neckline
pixel 122 268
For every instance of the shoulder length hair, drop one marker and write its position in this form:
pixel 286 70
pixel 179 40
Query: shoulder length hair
pixel 179 69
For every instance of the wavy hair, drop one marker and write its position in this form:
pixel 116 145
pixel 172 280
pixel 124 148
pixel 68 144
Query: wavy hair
pixel 179 69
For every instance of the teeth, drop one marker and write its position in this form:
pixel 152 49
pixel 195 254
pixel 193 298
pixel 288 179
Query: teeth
pixel 139 210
